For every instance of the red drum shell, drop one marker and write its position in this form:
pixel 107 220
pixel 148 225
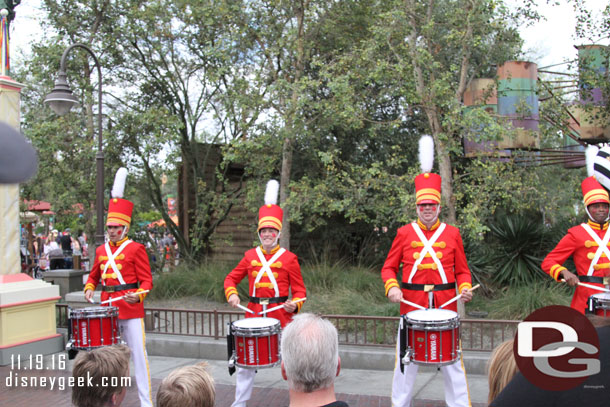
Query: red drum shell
pixel 433 336
pixel 94 327
pixel 257 342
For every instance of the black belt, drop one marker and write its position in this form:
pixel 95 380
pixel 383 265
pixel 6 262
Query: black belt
pixel 271 300
pixel 120 287
pixel 594 279
pixel 421 287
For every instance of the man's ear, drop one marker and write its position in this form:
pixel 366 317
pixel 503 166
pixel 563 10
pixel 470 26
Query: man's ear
pixel 338 365
pixel 283 371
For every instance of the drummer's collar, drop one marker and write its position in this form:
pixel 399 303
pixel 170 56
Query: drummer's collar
pixel 120 242
pixel 272 251
pixel 433 227
pixel 597 226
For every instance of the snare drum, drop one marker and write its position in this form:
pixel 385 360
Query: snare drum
pixel 256 342
pixel 432 337
pixel 93 327
pixel 599 304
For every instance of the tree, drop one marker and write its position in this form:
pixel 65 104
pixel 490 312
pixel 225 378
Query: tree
pixel 171 71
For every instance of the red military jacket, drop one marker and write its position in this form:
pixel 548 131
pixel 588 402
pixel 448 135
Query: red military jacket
pixel 134 267
pixel 406 250
pixel 579 244
pixel 286 272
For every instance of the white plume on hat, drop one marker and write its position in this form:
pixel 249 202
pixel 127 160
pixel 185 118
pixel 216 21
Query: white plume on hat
pixel 118 189
pixel 271 192
pixel 426 153
pixel 590 154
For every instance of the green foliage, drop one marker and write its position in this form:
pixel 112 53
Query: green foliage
pixel 518 240
pixel 205 280
pixel 519 302
pixel 344 290
pixel 331 288
pixel 208 86
pixel 515 248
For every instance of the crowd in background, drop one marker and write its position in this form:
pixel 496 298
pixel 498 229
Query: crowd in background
pixel 54 251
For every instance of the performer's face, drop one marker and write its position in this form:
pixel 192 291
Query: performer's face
pixel 114 233
pixel 268 236
pixel 599 211
pixel 427 213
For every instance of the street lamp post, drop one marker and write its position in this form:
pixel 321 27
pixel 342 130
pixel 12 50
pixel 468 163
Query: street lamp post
pixel 61 101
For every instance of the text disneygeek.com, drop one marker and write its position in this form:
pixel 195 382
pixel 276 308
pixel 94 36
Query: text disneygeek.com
pixel 15 379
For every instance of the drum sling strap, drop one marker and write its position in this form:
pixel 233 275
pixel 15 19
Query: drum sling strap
pixel 230 347
pixel 402 343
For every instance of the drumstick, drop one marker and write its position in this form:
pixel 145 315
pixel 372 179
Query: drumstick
pixel 282 306
pixel 457 297
pixel 412 304
pixel 245 309
pixel 589 286
pixel 121 297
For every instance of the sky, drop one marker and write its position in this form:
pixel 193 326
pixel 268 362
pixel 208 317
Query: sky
pixel 552 41
pixel 546 43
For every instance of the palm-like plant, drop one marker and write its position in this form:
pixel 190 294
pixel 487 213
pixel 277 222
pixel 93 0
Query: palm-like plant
pixel 517 242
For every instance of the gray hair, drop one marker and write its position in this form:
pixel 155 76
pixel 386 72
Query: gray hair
pixel 310 353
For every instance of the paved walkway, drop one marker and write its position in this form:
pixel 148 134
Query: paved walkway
pixel 359 388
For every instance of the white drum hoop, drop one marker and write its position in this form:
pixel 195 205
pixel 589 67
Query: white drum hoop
pixel 92 312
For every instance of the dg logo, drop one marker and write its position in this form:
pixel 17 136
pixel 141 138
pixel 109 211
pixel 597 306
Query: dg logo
pixel 556 348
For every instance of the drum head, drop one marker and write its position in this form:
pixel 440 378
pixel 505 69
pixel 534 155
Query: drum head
pixel 259 322
pixel 431 315
pixel 602 297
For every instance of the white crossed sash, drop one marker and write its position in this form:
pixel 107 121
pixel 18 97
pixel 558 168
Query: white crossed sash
pixel 602 246
pixel 428 248
pixel 266 269
pixel 110 263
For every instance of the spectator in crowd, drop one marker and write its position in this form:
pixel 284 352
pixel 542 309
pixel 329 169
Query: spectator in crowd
pixel 55 254
pixel 66 246
pixel 310 361
pixel 591 392
pixel 187 386
pixel 502 368
pixel 108 370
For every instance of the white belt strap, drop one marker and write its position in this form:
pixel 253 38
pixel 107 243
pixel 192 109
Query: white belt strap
pixel 428 248
pixel 602 247
pixel 110 263
pixel 266 269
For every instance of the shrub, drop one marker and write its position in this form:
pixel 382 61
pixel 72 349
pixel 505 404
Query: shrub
pixel 516 249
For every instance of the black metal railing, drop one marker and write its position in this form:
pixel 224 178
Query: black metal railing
pixel 476 334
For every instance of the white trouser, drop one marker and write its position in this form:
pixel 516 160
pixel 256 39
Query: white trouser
pixel 132 332
pixel 244 381
pixel 454 377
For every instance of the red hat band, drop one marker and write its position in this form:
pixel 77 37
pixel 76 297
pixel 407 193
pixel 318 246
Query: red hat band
pixel 428 188
pixel 593 192
pixel 119 212
pixel 270 216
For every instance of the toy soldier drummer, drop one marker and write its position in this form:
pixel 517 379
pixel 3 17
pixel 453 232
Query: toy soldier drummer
pixel 123 268
pixel 588 244
pixel 273 272
pixel 433 266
